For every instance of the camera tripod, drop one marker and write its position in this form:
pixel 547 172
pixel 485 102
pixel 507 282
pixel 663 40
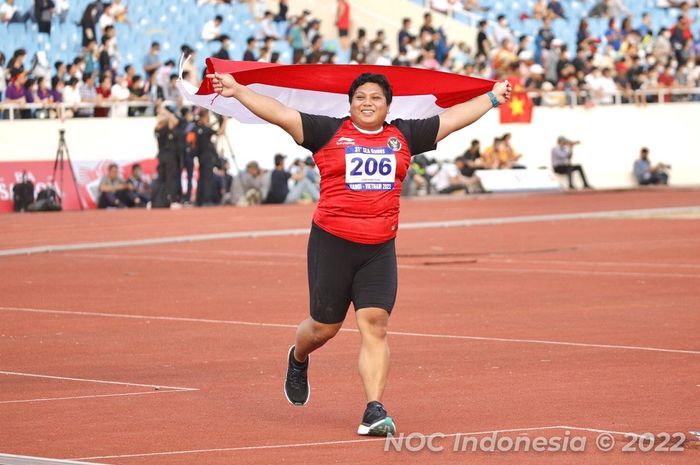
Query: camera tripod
pixel 63 155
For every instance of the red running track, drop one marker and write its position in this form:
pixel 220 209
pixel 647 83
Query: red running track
pixel 538 329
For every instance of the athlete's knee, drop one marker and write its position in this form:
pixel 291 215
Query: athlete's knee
pixel 322 332
pixel 373 322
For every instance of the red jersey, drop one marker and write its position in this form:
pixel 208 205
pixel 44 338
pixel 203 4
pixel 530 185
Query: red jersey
pixel 362 173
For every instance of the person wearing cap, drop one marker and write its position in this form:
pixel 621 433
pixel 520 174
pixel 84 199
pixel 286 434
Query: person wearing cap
pixel 561 161
pixel 351 256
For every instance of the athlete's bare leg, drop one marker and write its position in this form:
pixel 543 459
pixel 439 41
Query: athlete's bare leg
pixel 374 350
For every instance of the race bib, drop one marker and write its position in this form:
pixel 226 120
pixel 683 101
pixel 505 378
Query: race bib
pixel 370 168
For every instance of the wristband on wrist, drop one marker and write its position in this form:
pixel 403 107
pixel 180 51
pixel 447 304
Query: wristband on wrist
pixel 494 100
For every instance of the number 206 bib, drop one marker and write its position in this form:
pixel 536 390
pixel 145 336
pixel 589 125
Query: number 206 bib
pixel 370 168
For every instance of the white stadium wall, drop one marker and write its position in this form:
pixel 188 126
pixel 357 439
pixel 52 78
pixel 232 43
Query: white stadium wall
pixel 610 140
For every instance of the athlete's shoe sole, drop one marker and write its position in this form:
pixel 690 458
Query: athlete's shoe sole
pixel 383 427
pixel 298 404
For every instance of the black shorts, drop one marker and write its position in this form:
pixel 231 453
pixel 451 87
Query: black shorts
pixel 342 271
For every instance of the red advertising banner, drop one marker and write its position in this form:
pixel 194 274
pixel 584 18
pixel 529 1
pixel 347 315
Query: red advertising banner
pixel 87 179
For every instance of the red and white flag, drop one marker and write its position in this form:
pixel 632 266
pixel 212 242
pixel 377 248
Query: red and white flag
pixel 323 89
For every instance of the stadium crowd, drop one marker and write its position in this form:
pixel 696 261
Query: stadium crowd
pixel 633 56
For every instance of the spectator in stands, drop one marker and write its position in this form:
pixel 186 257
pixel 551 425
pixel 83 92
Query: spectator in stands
pixel 561 161
pixel 535 82
pixel 501 30
pixel 297 39
pixel 405 35
pixel 120 11
pixel 43 11
pixel 316 52
pixel 71 96
pixel 427 25
pixel 88 95
pixel 281 15
pixel 104 96
pixel 249 54
pixel 268 27
pixel 646 173
pixel 342 18
pixel 212 29
pixel 556 9
pixel 189 66
pixel 106 18
pixel 139 188
pixel 16 91
pixel 9 13
pixel 222 53
pixel 120 94
pixel 3 78
pixel 113 191
pixel 16 62
pixel 139 94
pixel 89 23
pixel 151 62
pixel 61 10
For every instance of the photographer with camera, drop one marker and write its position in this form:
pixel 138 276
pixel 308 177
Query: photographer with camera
pixel 646 173
pixel 170 146
pixel 561 161
pixel 205 150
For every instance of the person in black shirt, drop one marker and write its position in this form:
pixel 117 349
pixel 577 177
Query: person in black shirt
pixel 471 158
pixel 279 178
pixel 248 55
pixel 483 44
pixel 223 54
pixel 205 150
pixel 168 155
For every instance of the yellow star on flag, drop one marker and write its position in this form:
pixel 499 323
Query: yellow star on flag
pixel 517 106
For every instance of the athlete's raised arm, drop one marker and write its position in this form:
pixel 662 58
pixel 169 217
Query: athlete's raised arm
pixel 262 106
pixel 464 114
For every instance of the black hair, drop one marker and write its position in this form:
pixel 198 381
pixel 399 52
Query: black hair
pixel 378 79
pixel 219 18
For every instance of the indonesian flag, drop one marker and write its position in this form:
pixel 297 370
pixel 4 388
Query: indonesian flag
pixel 323 89
pixel 519 109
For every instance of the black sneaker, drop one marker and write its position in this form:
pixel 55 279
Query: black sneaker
pixel 375 421
pixel 296 386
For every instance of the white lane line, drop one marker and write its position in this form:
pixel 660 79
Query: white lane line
pixel 493 259
pixel 634 213
pixel 305 444
pixel 10 459
pixel 98 381
pixel 393 333
pixel 51 399
pixel 435 266
pixel 480 269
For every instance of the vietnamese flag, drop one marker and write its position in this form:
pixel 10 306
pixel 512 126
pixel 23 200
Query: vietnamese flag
pixel 323 89
pixel 519 109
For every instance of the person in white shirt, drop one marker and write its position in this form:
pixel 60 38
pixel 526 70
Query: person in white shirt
pixel 120 93
pixel 106 19
pixel 212 29
pixel 502 31
pixel 449 178
pixel 268 27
